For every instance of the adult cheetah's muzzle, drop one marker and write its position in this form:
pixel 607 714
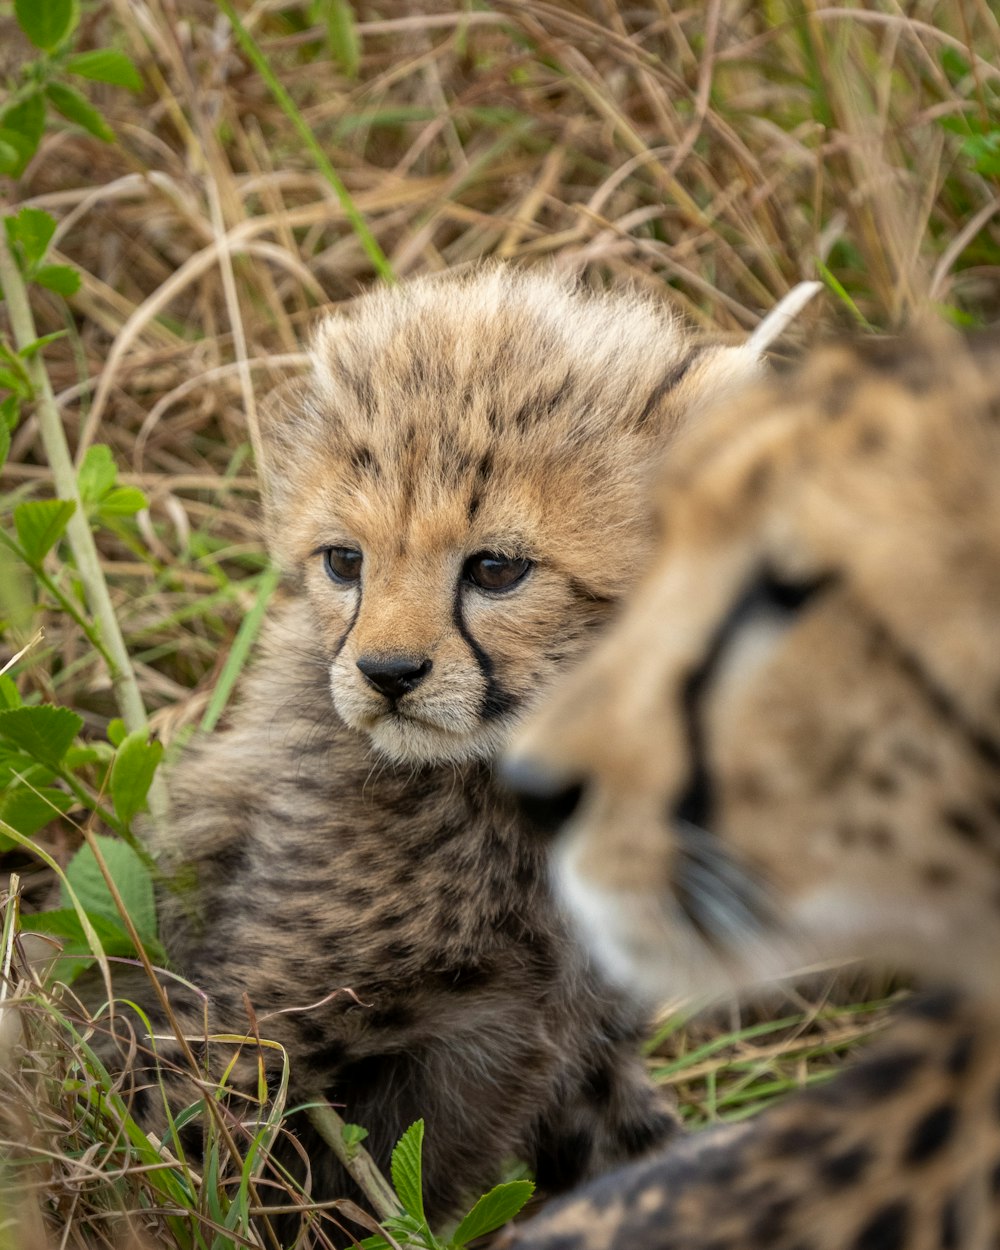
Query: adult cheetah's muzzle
pixel 545 800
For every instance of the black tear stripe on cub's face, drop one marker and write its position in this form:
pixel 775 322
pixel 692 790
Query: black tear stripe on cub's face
pixel 464 485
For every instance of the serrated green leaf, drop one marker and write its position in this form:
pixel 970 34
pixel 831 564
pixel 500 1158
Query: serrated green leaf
pixel 123 501
pixel 76 108
pixel 106 65
pixel 63 279
pixel 97 474
pixel 132 774
pixel 63 922
pixel 493 1210
pixel 15 152
pixel 407 1166
pixel 45 733
pixel 46 22
pixel 40 524
pixel 31 232
pixel 77 952
pixel 10 696
pixel 29 810
pixel 128 873
pixel 117 731
pixel 342 36
pixel 26 118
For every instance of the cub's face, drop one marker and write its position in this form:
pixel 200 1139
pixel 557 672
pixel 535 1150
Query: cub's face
pixel 460 486
pixel 788 747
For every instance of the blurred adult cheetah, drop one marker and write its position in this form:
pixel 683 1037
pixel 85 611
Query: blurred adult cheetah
pixel 459 495
pixel 789 748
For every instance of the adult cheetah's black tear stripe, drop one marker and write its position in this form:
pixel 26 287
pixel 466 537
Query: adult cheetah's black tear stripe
pixel 496 700
pixel 765 593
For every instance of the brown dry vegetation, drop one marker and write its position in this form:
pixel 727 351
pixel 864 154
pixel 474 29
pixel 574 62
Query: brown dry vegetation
pixel 716 154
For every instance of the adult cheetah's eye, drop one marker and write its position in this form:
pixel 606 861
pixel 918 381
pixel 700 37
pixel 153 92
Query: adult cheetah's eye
pixel 342 564
pixel 490 571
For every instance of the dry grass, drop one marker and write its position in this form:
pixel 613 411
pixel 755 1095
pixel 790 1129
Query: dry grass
pixel 716 154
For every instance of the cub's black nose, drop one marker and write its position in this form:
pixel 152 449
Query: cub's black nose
pixel 393 676
pixel 545 800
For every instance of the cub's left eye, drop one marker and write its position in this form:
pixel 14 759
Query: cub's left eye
pixel 342 564
pixel 490 571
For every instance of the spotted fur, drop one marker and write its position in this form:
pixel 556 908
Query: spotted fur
pixel 789 749
pixel 358 875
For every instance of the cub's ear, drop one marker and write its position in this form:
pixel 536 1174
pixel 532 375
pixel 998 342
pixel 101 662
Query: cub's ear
pixel 711 375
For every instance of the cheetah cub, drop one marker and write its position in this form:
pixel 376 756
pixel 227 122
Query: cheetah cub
pixel 789 749
pixel 457 492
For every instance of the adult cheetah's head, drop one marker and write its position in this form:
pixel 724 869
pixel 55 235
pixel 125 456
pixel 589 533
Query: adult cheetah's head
pixel 788 748
pixel 461 486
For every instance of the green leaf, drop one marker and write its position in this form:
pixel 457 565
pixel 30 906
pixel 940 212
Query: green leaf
pixel 123 501
pixel 97 474
pixel 29 810
pixel 106 65
pixel 15 380
pixel 10 412
pixel 984 150
pixel 63 279
pixel 46 22
pixel 77 952
pixel 31 231
pixel 76 108
pixel 21 128
pixel 10 696
pixel 40 524
pixel 45 733
pixel 407 1167
pixel 117 731
pixel 26 118
pixel 128 873
pixel 36 345
pixel 15 152
pixel 342 36
pixel 63 922
pixel 353 1135
pixel 492 1210
pixel 132 773
pixel 4 443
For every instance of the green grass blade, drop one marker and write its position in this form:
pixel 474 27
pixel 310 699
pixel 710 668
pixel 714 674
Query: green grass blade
pixel 288 106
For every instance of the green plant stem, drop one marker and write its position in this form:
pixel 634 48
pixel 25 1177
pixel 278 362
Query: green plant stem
pixel 357 1161
pixel 81 540
pixel 66 604
pixel 288 106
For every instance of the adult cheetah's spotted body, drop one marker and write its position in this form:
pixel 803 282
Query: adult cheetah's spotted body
pixel 789 748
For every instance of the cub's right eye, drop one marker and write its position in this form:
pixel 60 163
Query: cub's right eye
pixel 342 564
